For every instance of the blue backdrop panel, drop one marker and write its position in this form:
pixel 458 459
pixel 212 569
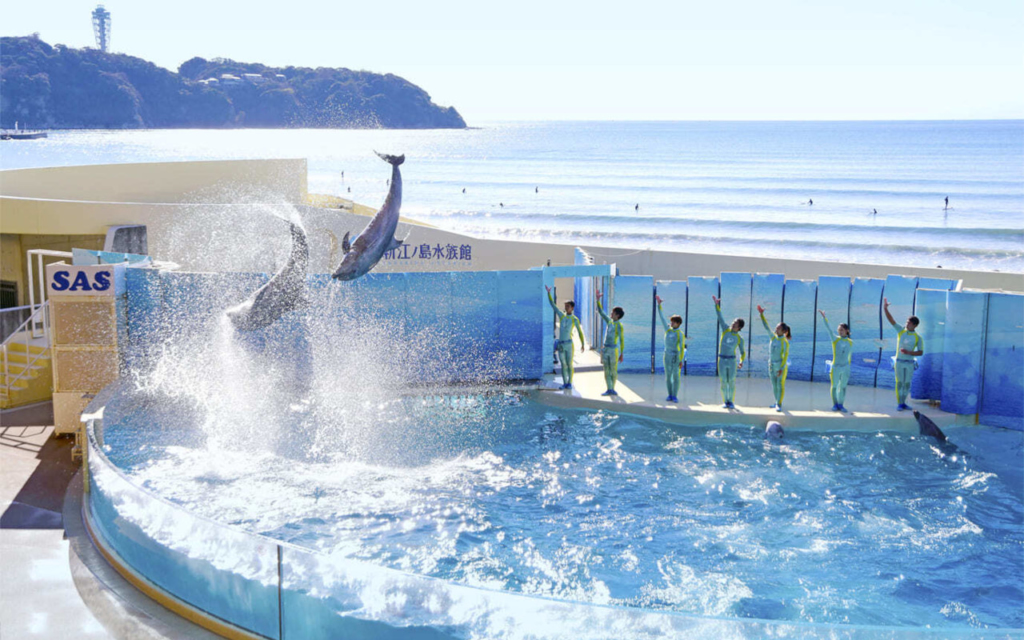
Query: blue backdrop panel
pixel 963 352
pixel 701 327
pixel 735 288
pixel 767 292
pixel 583 295
pixel 428 323
pixel 936 283
pixel 475 325
pixel 145 305
pixel 865 329
pixel 673 292
pixel 798 309
pixel 1002 403
pixel 193 300
pixel 520 328
pixel 635 294
pixel 930 307
pixel 899 291
pixel 834 300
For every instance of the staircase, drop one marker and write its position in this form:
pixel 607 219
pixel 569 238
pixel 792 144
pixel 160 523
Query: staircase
pixel 26 374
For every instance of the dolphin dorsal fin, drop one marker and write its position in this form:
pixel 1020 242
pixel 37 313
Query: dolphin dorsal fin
pixel 395 243
pixel 346 246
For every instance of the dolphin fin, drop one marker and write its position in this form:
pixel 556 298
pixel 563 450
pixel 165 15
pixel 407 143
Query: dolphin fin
pixel 392 160
pixel 395 243
pixel 346 246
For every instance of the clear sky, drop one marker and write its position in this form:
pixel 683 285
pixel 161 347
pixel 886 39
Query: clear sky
pixel 556 60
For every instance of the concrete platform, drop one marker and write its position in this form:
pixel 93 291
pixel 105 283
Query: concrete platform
pixel 807 405
pixel 53 581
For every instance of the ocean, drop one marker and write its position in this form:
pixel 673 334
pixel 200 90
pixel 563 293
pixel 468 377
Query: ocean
pixel 729 188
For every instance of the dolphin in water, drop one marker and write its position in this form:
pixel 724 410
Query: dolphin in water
pixel 773 431
pixel 284 292
pixel 379 236
pixel 929 428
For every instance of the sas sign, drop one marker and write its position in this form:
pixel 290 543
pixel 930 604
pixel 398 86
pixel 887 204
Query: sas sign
pixel 92 280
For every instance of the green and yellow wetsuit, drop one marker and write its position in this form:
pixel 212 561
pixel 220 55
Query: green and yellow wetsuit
pixel 842 355
pixel 675 347
pixel 614 344
pixel 778 362
pixel 731 342
pixel 564 345
pixel 905 364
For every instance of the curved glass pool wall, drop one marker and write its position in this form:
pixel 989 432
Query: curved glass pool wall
pixel 974 341
pixel 281 591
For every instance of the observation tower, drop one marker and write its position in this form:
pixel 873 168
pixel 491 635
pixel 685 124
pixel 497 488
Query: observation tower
pixel 101 27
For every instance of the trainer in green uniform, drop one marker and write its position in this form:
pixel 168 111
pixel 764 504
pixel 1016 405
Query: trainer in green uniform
pixel 727 365
pixel 778 361
pixel 614 346
pixel 563 345
pixel 909 346
pixel 675 347
pixel 839 365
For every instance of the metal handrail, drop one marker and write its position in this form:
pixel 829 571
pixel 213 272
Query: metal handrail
pixel 25 328
pixel 39 254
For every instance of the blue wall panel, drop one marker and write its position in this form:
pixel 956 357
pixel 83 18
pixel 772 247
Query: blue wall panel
pixel 798 309
pixel 834 300
pixel 701 327
pixel 1002 402
pixel 930 307
pixel 475 325
pixel 635 294
pixel 936 283
pixel 963 351
pixel 519 323
pixel 673 292
pixel 899 291
pixel 736 289
pixel 865 329
pixel 767 292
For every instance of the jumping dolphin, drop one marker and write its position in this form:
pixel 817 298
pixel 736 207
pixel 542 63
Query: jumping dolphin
pixel 929 428
pixel 283 293
pixel 773 431
pixel 379 236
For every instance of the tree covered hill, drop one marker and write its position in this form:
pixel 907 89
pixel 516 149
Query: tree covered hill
pixel 61 87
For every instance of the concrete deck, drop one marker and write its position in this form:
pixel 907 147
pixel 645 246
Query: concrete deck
pixel 807 405
pixel 53 581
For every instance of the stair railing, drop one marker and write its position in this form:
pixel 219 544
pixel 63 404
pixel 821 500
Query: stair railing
pixel 23 335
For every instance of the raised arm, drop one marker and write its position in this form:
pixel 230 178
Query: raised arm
pixel 832 334
pixel 718 310
pixel 885 307
pixel 551 301
pixel 661 314
pixel 600 309
pixel 760 310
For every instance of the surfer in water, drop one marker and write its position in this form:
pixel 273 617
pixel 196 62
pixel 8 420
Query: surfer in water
pixel 637 208
pixel 947 203
pixel 810 201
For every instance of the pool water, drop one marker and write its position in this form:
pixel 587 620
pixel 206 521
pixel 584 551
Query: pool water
pixel 497 491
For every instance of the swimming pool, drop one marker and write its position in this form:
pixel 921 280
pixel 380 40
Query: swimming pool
pixel 601 519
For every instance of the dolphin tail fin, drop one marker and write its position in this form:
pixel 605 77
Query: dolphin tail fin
pixel 392 160
pixel 346 246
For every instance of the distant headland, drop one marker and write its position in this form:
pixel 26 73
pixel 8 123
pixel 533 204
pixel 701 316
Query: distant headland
pixel 58 87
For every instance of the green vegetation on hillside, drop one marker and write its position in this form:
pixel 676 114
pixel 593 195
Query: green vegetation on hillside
pixel 59 87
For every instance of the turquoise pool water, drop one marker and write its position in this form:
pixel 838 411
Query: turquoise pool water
pixel 499 492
